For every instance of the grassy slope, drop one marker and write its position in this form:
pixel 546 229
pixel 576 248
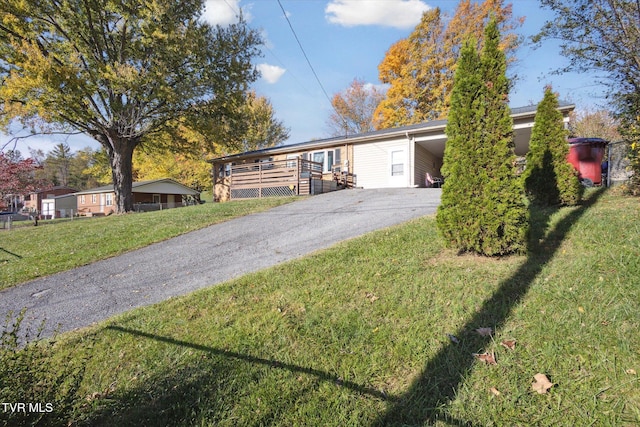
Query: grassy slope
pixel 30 252
pixel 357 335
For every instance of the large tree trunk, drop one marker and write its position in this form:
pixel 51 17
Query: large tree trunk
pixel 120 151
pixel 122 173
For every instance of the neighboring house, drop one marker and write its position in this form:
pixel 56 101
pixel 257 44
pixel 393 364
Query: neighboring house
pixel 33 201
pixel 398 157
pixel 59 207
pixel 147 195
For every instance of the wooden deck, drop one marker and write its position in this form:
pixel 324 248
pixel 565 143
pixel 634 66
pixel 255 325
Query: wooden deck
pixel 292 177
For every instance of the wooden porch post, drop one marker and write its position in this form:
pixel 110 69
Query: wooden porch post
pixel 298 172
pixel 260 180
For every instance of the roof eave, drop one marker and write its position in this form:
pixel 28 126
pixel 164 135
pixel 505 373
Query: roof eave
pixel 528 111
pixel 364 137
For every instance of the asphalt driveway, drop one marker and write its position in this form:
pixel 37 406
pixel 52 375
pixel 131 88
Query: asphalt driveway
pixel 82 296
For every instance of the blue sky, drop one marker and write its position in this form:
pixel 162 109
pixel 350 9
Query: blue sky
pixel 347 39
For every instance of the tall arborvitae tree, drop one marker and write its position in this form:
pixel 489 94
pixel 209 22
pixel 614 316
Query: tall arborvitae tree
pixel 483 208
pixel 549 178
pixel 506 217
pixel 456 213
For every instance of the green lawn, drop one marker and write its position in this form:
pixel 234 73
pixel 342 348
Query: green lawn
pixel 358 335
pixel 27 252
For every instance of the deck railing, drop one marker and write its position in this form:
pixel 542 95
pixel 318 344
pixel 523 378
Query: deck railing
pixel 291 177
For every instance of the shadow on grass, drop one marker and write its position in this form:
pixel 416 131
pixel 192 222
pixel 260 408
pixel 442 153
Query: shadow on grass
pixel 323 376
pixel 10 253
pixel 207 389
pixel 426 400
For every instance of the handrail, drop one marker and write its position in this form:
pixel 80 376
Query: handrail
pixel 301 164
pixel 281 177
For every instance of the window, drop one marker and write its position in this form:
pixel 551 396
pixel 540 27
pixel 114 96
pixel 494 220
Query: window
pixel 265 163
pixel 109 199
pixel 82 200
pixel 318 157
pixel 397 163
pixel 94 198
pixel 291 160
pixel 327 158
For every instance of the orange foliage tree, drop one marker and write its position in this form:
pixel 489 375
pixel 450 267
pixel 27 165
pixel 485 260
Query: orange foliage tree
pixel 354 109
pixel 420 68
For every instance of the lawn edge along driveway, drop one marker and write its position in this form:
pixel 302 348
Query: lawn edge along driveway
pixel 85 295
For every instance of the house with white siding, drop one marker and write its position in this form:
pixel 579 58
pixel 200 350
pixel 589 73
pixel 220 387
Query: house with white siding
pixel 398 157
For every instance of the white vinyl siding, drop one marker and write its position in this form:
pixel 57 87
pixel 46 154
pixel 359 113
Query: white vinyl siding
pixel 425 162
pixel 372 164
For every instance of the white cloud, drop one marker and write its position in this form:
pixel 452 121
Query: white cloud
pixel 380 87
pixel 271 73
pixel 224 12
pixel 402 14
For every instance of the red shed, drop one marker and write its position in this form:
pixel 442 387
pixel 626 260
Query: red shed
pixel 585 154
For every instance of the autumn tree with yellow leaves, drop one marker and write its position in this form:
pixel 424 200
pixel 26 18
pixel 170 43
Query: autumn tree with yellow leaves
pixel 420 69
pixel 123 72
pixel 187 164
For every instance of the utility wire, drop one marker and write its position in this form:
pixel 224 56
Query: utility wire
pixel 311 67
pixel 291 73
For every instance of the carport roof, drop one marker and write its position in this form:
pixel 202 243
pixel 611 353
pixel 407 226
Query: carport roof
pixel 528 111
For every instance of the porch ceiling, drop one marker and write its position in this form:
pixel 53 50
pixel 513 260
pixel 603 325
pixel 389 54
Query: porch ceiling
pixel 435 143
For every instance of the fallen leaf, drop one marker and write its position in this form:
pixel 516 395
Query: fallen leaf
pixel 488 358
pixel 453 339
pixel 372 297
pixel 631 371
pixel 580 309
pixel 484 332
pixel 495 391
pixel 509 344
pixel 541 383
